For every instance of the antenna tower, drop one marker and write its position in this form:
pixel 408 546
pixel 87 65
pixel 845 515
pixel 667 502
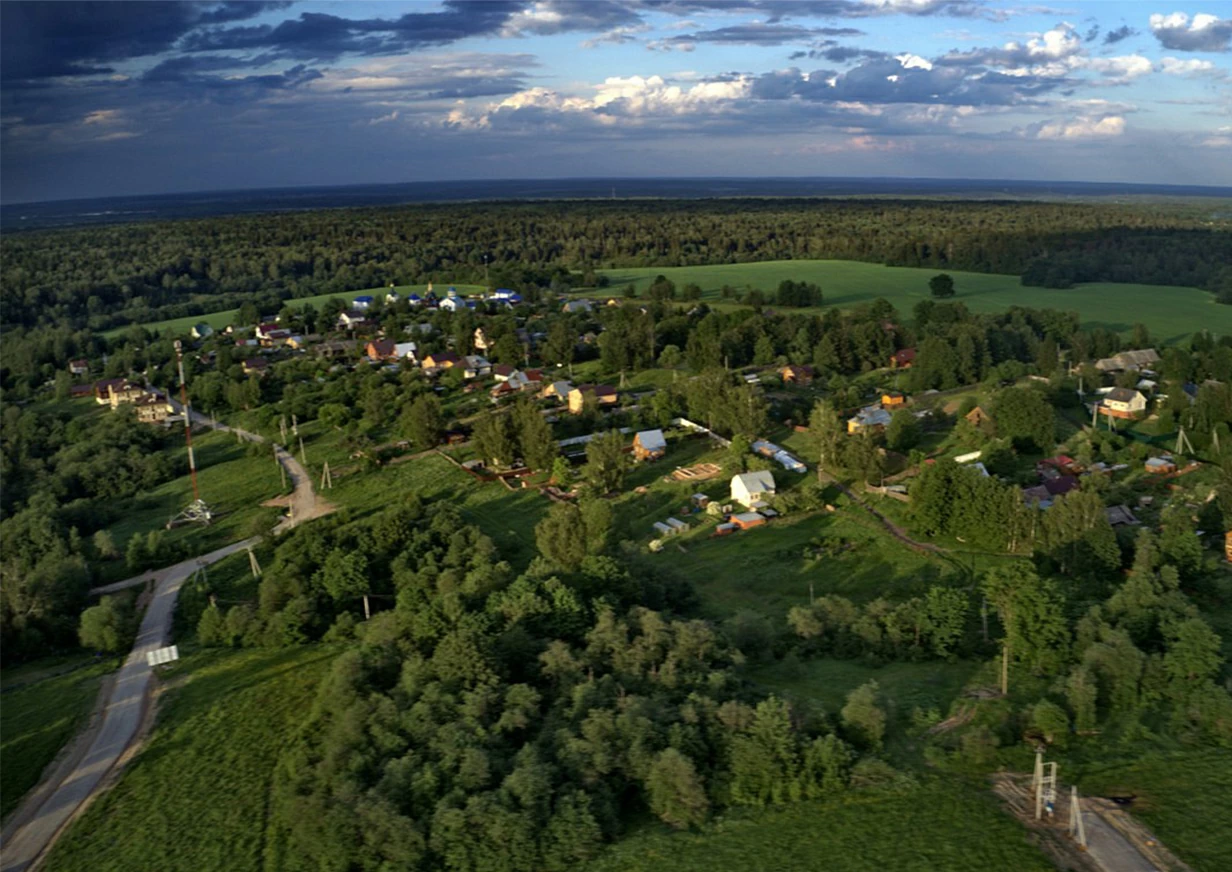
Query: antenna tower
pixel 197 512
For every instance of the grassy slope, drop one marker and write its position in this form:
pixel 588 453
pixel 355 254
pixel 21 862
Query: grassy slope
pixel 947 826
pixel 218 320
pixel 1184 798
pixel 195 798
pixel 1170 312
pixel 36 719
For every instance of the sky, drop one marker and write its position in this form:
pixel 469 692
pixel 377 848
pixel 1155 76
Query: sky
pixel 112 98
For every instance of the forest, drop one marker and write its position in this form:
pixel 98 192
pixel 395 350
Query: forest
pixel 106 277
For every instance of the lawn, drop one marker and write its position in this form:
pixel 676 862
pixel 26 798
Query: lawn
pixel 1184 798
pixel 230 480
pixel 37 718
pixel 1170 312
pixel 938 826
pixel 195 798
pixel 219 320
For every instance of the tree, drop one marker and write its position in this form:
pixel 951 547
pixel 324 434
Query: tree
pixel 863 716
pixel 345 576
pixel 606 461
pixel 662 288
pixel 597 519
pixel 1024 416
pixel 675 790
pixel 670 357
pixel 421 422
pixel 1032 613
pixel 494 441
pixel 535 437
pixel 1049 722
pixel 560 345
pixel 825 432
pixel 941 286
pixel 104 545
pixel 903 432
pixel 561 536
pixel 106 626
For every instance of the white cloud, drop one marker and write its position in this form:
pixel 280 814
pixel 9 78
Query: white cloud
pixel 1186 67
pixel 1204 32
pixel 910 61
pixel 1120 70
pixel 385 119
pixel 102 116
pixel 1083 127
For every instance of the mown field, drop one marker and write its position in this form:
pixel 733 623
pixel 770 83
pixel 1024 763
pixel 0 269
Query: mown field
pixel 1170 312
pixel 219 320
pixel 195 798
pixel 38 716
pixel 938 825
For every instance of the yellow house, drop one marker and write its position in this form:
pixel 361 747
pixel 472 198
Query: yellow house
pixel 605 395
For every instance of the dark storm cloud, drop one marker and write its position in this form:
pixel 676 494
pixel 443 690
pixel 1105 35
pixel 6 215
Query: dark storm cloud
pixel 757 34
pixel 40 39
pixel 842 54
pixel 1123 32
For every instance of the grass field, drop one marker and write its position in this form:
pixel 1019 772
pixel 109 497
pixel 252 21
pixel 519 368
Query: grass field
pixel 1184 798
pixel 1170 312
pixel 36 719
pixel 195 798
pixel 939 826
pixel 219 320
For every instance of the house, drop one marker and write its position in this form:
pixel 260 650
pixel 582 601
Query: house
pixel 750 488
pixel 794 374
pixel 480 341
pixel 414 300
pixel 79 367
pixel 475 366
pixel 605 395
pixel 902 359
pixel 1120 516
pixel 78 392
pixel 649 445
pixel 444 360
pixel 700 500
pixel 104 389
pixel 1060 485
pixel 1160 466
pixel 336 348
pixel 748 520
pixel 405 350
pixel 392 298
pixel 201 330
pixel 534 377
pixel 255 366
pixel 380 349
pixel 363 304
pixel 577 307
pixel 893 399
pixel 152 409
pixel 870 419
pixel 124 392
pixel 301 342
pixel 557 390
pixel 351 319
pixel 977 417
pixel 272 333
pixel 1133 361
pixel 1123 403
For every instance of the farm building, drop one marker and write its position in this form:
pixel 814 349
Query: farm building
pixel 1133 361
pixel 1160 465
pixel 748 520
pixel 649 445
pixel 1123 403
pixel 752 487
pixel 868 419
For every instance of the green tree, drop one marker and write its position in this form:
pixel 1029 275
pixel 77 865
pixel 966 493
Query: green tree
pixel 675 791
pixel 535 437
pixel 561 536
pixel 862 715
pixel 104 545
pixel 494 439
pixel 597 519
pixel 421 422
pixel 606 461
pixel 1025 416
pixel 344 575
pixel 941 286
pixel 1032 613
pixel 903 432
pixel 825 434
pixel 106 626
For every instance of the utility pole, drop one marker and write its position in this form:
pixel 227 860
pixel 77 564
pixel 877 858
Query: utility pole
pixel 367 612
pixel 281 469
pixel 327 481
pixel 253 564
pixel 1076 828
pixel 294 425
pixel 1005 668
pixel 282 427
pixel 303 455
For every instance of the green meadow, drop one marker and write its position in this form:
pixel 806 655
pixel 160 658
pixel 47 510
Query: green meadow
pixel 1171 312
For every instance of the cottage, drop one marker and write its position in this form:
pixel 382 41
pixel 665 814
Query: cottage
pixel 604 395
pixel 474 366
pixel 649 445
pixel 79 367
pixel 748 520
pixel 793 374
pixel 506 296
pixel 978 418
pixel 752 488
pixel 452 302
pixel 351 319
pixel 1133 361
pixel 152 409
pixel 902 359
pixel 380 349
pixel 363 304
pixel 201 330
pixel 871 419
pixel 444 360
pixel 557 390
pixel 1160 466
pixel 1123 403
pixel 255 366
pixel 336 348
pixel 405 350
pixel 893 399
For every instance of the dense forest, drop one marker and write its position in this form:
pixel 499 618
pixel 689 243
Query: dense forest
pixel 104 277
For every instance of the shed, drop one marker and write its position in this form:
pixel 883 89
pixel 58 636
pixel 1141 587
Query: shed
pixel 662 529
pixel 700 500
pixel 678 525
pixel 748 520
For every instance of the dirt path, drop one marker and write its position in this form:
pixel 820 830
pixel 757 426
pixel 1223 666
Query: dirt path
pixel 893 529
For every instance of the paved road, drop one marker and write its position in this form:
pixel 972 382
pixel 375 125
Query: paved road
pixel 1110 850
pixel 35 828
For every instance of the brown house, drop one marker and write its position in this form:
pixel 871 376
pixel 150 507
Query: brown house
pixel 380 349
pixel 605 395
pixel 902 359
pixel 977 417
pixel 444 360
pixel 255 366
pixel 79 367
pixel 649 445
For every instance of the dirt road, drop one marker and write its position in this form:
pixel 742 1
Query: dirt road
pixel 35 826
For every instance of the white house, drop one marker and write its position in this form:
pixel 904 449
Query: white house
pixel 574 306
pixel 1123 403
pixel 475 366
pixel 202 330
pixel 362 303
pixel 751 488
pixel 481 340
pixel 392 297
pixel 350 320
pixel 403 350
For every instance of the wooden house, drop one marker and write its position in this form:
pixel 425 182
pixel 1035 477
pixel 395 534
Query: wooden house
pixel 893 399
pixel 752 488
pixel 1125 403
pixel 649 445
pixel 902 359
pixel 748 520
pixel 794 374
pixel 605 395
pixel 381 349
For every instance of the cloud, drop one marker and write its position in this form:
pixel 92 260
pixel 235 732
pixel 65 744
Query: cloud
pixel 1186 67
pixel 1203 32
pixel 547 17
pixel 753 33
pixel 617 36
pixel 1123 32
pixel 1119 70
pixel 384 119
pixel 1083 127
pixel 1058 44
pixel 42 40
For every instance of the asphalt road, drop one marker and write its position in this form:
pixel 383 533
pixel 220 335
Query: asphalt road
pixel 37 827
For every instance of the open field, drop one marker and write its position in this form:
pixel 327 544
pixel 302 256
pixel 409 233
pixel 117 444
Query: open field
pixel 36 719
pixel 219 320
pixel 195 798
pixel 1170 312
pixel 1183 797
pixel 938 825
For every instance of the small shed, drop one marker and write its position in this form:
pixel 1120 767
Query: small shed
pixel 649 445
pixel 1160 465
pixel 748 520
pixel 677 525
pixel 700 500
pixel 662 529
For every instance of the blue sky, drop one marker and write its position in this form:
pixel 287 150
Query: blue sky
pixel 110 98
